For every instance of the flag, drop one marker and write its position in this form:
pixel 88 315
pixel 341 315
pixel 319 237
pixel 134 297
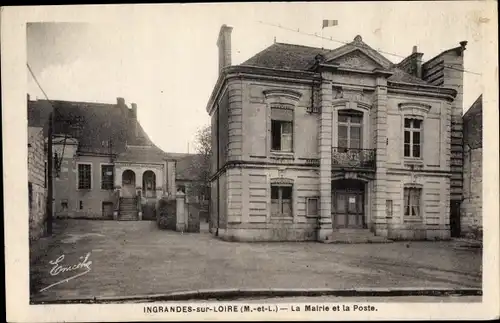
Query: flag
pixel 330 23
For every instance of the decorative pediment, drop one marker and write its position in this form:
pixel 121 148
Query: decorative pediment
pixel 414 108
pixel 356 59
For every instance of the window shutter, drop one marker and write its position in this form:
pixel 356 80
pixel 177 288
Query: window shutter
pixel 286 137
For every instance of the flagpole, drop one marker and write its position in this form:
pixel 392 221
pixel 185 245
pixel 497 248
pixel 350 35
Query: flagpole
pixel 322 28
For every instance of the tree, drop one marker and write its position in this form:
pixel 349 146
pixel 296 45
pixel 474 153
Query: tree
pixel 203 146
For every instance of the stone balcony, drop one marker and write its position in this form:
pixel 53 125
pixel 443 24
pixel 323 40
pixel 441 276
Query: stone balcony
pixel 350 158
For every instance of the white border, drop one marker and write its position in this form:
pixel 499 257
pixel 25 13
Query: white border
pixel 14 77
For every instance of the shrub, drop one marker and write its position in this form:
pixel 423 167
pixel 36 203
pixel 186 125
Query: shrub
pixel 166 214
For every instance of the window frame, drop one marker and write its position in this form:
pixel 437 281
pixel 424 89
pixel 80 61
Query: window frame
pixel 281 134
pixel 410 205
pixel 78 177
pixel 411 130
pixel 101 180
pixel 280 187
pixel 349 124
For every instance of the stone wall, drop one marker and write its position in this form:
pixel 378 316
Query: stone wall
pixel 36 183
pixel 471 208
pixel 71 202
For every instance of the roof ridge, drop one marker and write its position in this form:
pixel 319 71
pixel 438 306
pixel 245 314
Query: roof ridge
pixel 77 102
pixel 305 46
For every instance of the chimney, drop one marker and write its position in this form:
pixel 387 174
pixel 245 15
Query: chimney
pixel 120 102
pixel 224 44
pixel 413 63
pixel 134 109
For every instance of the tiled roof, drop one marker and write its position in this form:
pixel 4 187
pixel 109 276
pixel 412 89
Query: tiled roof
pixel 144 154
pixel 190 168
pixel 92 124
pixel 298 57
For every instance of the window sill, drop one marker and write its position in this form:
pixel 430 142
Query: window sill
pixel 282 154
pixel 414 219
pixel 413 161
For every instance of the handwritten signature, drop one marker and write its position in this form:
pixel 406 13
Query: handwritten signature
pixel 59 268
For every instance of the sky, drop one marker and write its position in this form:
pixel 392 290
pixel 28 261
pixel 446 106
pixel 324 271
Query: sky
pixel 164 57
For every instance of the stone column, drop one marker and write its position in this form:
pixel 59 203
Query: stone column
pixel 379 195
pixel 325 167
pixel 181 222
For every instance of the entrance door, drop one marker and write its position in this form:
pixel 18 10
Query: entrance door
pixel 107 210
pixel 348 210
pixel 455 219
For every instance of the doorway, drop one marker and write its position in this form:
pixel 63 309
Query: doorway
pixel 128 184
pixel 149 184
pixel 348 197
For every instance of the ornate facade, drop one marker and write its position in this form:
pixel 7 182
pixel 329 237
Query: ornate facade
pixel 311 143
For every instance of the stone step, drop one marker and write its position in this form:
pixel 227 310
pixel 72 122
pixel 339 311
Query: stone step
pixel 355 236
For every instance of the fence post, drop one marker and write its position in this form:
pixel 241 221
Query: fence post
pixel 180 212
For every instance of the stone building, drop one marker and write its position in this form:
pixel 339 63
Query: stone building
pixel 106 166
pixel 471 220
pixel 311 143
pixel 37 185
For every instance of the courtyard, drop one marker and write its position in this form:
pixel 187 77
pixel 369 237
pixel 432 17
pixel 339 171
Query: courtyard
pixel 87 259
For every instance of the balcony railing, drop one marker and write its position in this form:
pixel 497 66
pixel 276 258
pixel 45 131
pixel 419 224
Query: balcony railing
pixel 353 158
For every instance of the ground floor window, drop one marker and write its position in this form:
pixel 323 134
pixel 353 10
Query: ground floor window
pixel 281 200
pixel 84 176
pixel 107 177
pixel 412 201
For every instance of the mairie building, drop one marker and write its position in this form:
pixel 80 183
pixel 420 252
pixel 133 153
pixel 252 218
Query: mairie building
pixel 311 143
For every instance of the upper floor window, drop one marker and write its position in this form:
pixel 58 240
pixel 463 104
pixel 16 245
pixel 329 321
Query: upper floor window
pixel 282 129
pixel 84 176
pixel 412 138
pixel 107 177
pixel 350 129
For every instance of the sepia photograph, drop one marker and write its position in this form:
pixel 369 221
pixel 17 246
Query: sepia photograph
pixel 224 160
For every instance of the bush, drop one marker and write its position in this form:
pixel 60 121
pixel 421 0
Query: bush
pixel 166 214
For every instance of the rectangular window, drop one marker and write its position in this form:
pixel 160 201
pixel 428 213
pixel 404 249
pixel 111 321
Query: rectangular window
pixel 312 206
pixel 281 200
pixel 84 176
pixel 107 177
pixel 412 138
pixel 350 130
pixel 282 135
pixel 81 205
pixel 412 200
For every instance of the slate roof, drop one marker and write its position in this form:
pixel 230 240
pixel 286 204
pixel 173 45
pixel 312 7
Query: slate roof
pixel 302 58
pixel 93 125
